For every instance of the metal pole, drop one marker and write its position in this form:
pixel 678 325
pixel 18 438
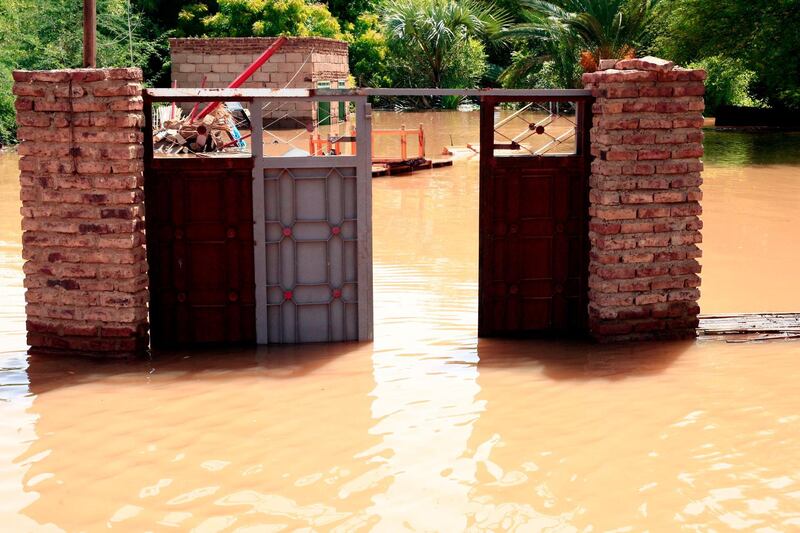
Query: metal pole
pixel 89 33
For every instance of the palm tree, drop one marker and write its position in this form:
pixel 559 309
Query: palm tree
pixel 430 33
pixel 599 29
pixel 543 42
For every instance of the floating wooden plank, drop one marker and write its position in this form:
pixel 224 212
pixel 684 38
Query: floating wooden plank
pixel 781 324
pixel 392 168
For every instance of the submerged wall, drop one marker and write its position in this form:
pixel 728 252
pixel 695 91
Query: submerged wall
pixel 645 200
pixel 83 210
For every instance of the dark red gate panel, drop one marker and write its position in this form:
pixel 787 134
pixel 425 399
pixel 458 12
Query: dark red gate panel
pixel 533 234
pixel 200 251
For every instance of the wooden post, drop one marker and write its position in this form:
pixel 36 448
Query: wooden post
pixel 403 143
pixel 89 33
pixel 172 110
pixel 421 138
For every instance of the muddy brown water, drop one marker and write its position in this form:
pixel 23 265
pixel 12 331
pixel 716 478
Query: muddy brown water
pixel 429 428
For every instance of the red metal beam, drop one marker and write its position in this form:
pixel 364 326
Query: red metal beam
pixel 243 77
pixel 194 109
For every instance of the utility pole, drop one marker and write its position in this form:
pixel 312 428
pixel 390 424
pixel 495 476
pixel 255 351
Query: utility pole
pixel 89 33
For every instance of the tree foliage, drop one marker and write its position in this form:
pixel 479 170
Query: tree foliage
pixel 350 10
pixel 762 34
pixel 49 35
pixel 437 42
pixel 571 29
pixel 369 52
pixel 728 83
pixel 259 18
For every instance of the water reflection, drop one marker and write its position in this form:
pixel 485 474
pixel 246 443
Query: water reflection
pixel 501 435
pixel 738 148
pixel 200 442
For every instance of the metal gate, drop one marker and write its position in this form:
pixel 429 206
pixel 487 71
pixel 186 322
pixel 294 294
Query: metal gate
pixel 277 248
pixel 313 237
pixel 200 251
pixel 534 168
pixel 262 248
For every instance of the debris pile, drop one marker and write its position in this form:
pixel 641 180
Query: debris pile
pixel 215 131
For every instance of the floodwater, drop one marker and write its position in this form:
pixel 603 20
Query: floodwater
pixel 429 428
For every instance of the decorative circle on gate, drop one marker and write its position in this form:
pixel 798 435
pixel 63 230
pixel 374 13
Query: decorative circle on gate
pixel 287 232
pixel 336 230
pixel 231 233
pixel 337 293
pixel 513 289
pixel 287 295
pixel 181 297
pixel 539 130
pixel 233 296
pixel 178 233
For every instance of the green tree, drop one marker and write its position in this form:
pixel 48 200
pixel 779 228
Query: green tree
pixel 349 10
pixel 546 55
pixel 368 52
pixel 762 34
pixel 49 35
pixel 437 42
pixel 247 18
pixel 728 83
pixel 606 29
pixel 165 14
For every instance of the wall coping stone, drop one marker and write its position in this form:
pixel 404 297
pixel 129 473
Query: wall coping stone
pixel 254 44
pixel 85 75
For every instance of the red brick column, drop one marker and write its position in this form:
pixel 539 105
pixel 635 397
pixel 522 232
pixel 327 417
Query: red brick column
pixel 645 200
pixel 83 211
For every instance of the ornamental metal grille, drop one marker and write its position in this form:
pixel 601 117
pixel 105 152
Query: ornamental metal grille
pixel 311 255
pixel 535 129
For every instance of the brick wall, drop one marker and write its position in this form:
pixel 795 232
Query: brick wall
pixel 645 200
pixel 300 63
pixel 82 210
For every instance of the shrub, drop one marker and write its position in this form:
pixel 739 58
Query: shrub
pixel 728 83
pixel 266 18
pixel 8 125
pixel 368 52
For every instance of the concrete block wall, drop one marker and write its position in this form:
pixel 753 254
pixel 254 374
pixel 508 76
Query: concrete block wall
pixel 645 200
pixel 83 210
pixel 299 64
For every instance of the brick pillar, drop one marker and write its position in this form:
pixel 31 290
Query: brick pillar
pixel 645 200
pixel 83 210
